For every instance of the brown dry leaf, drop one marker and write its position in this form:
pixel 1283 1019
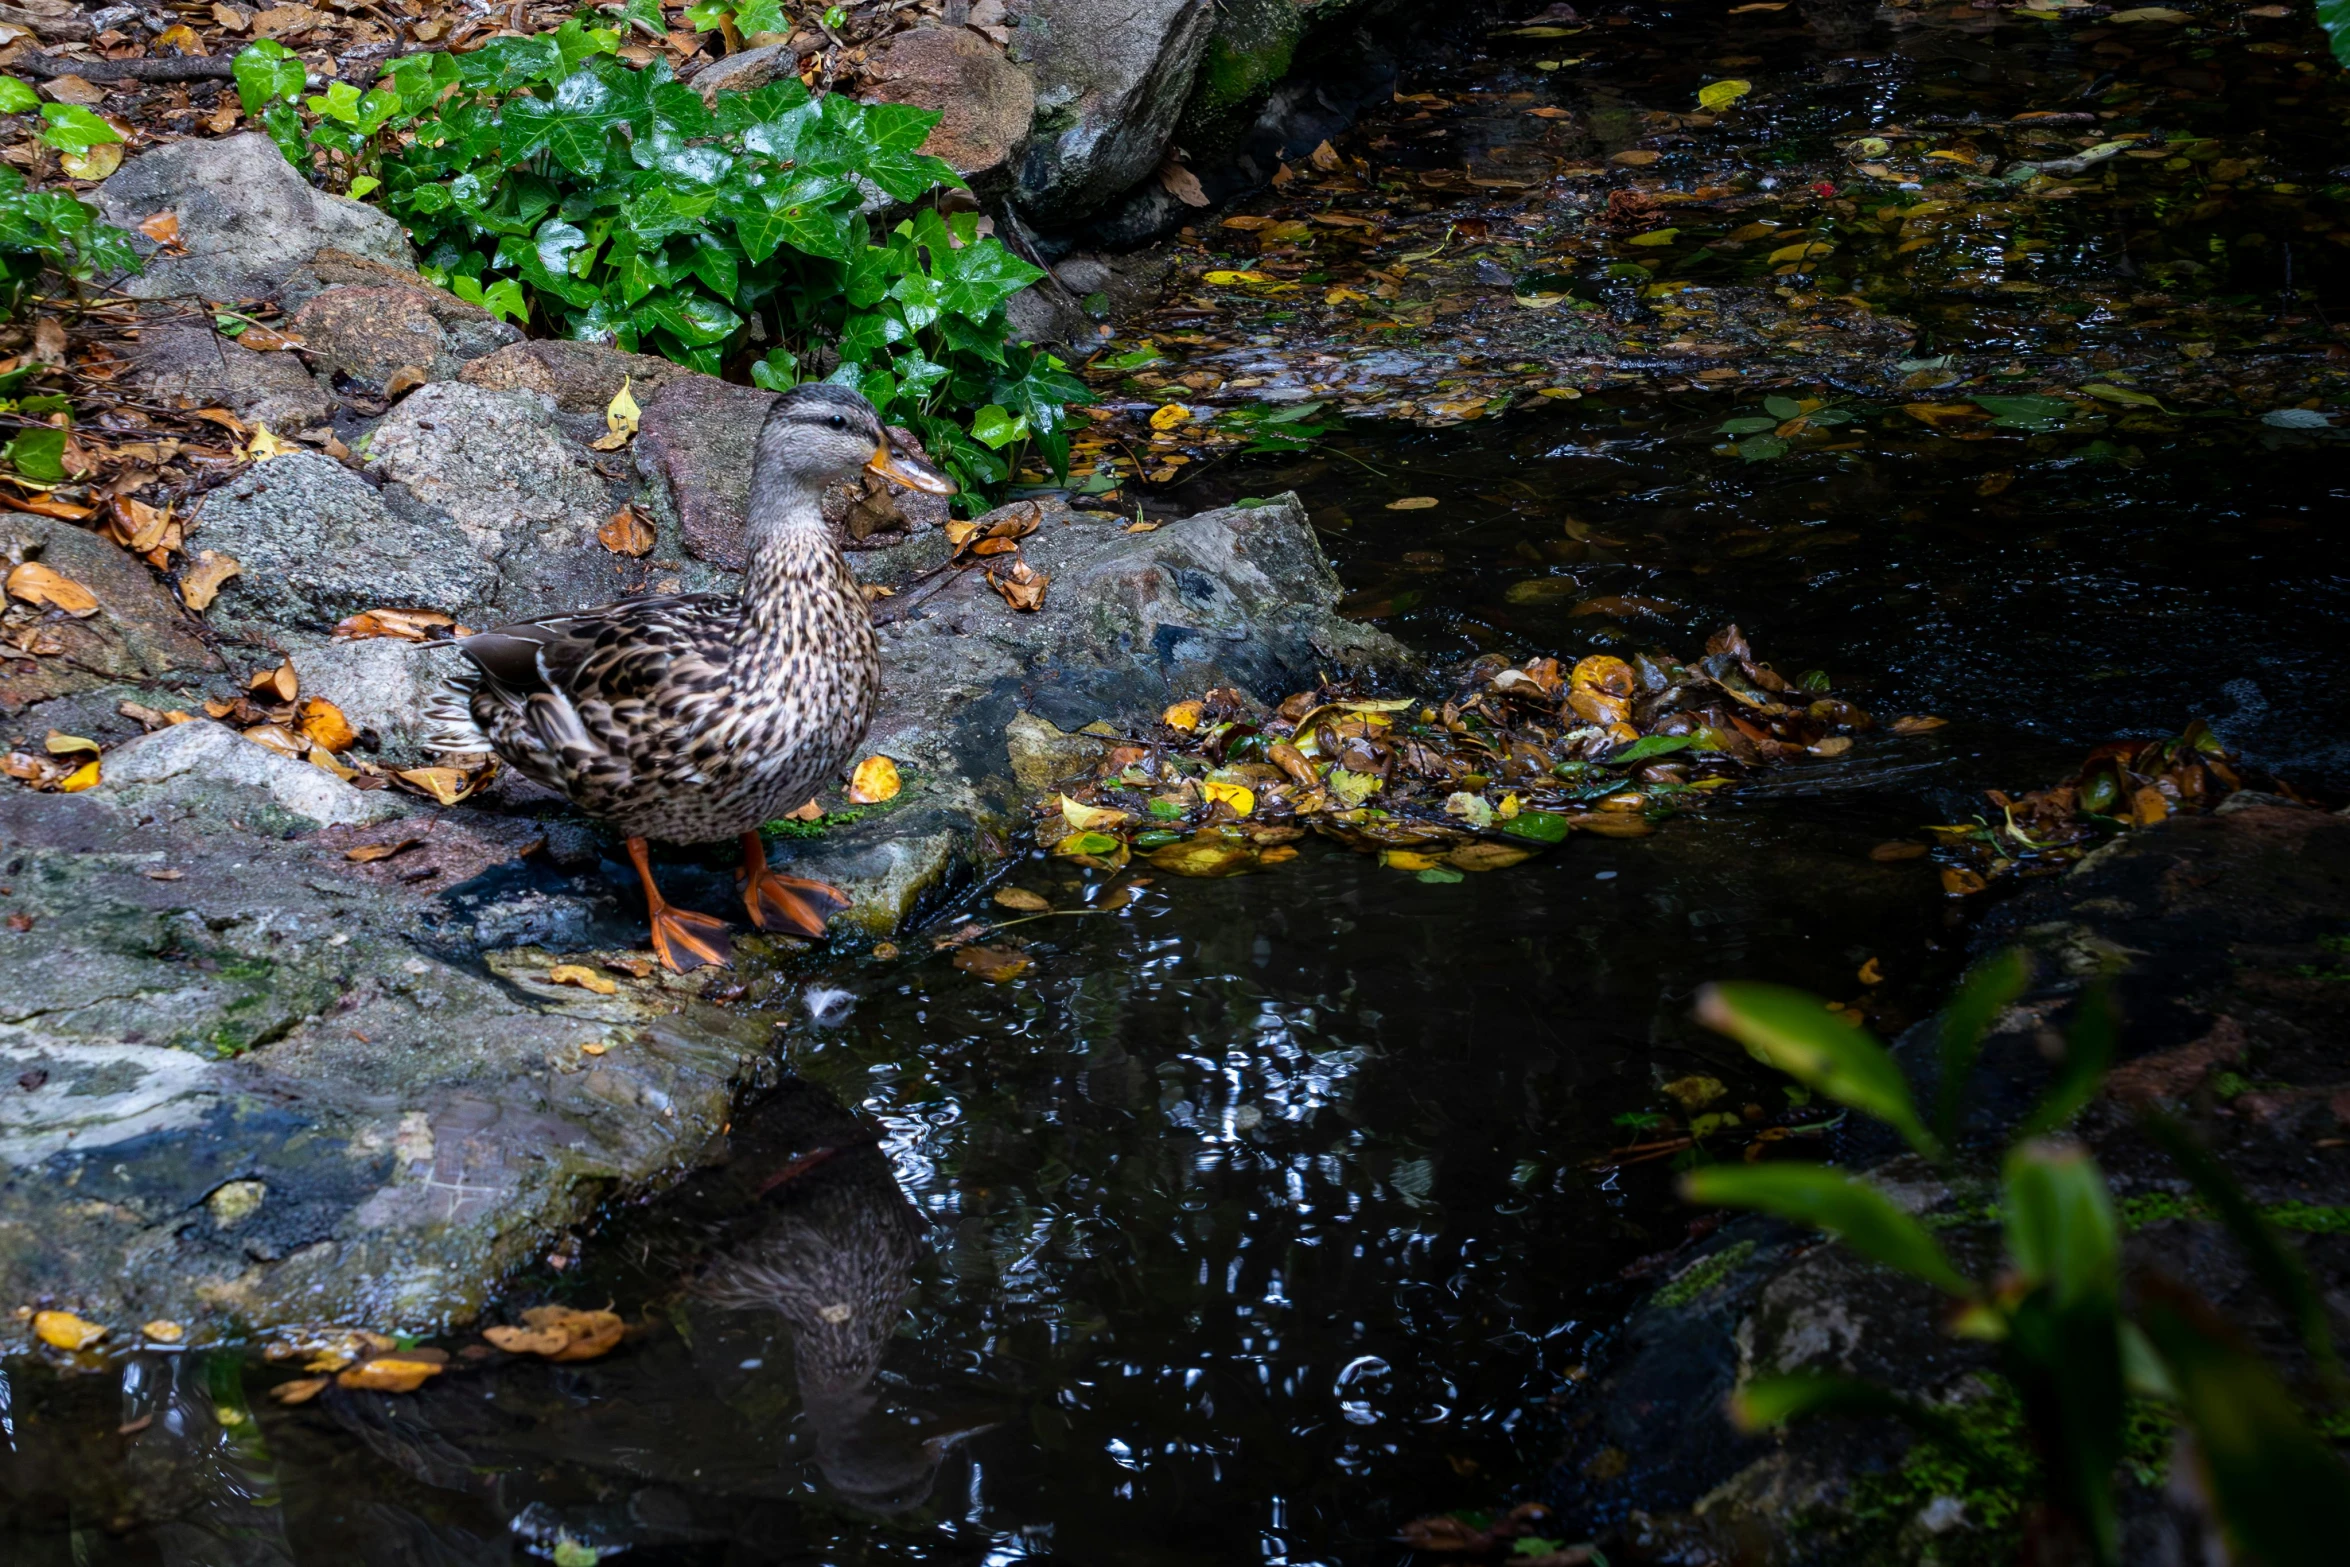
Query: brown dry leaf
pixel 49 341
pixel 402 381
pixel 811 812
pixel 64 1330
pixel 875 780
pixel 47 506
pixel 1022 587
pixel 1636 158
pixel 325 725
pixel 1326 158
pixel 993 964
pixel 587 1334
pixel 38 584
pixel 1915 724
pixel 367 853
pixel 223 119
pixel 1247 222
pixel 267 340
pixel 582 976
pixel 1022 899
pixel 1959 882
pixel 1487 857
pixel 279 684
pixel 1205 855
pixel 1896 851
pixel 448 785
pixel 1180 183
pixel 201 581
pixel 299 1391
pixel 2148 806
pixel 277 738
pixel 135 525
pixel 390 1374
pixel 626 533
pixel 409 625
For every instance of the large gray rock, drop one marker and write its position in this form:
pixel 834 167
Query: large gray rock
pixel 317 543
pixel 496 463
pixel 139 636
pixel 381 684
pixel 187 364
pixel 985 103
pixel 202 770
pixel 1111 80
pixel 370 333
pixel 246 219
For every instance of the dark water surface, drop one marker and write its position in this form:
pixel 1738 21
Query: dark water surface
pixel 1257 1217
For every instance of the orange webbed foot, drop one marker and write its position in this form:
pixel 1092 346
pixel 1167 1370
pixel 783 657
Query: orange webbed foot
pixel 791 904
pixel 684 940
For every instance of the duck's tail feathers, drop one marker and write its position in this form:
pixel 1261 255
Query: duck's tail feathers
pixel 449 711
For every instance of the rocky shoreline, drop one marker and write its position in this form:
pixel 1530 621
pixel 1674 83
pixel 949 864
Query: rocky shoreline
pixel 285 1048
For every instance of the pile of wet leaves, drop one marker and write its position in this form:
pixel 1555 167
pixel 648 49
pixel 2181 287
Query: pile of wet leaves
pixel 2121 785
pixel 1519 758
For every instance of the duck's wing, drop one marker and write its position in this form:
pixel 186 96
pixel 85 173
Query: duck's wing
pixel 587 701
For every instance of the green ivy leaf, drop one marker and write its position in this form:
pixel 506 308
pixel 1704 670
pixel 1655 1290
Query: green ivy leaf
pixel 16 97
pixel 997 427
pixel 979 277
pixel 265 72
pixel 73 128
pixel 38 454
pixel 694 319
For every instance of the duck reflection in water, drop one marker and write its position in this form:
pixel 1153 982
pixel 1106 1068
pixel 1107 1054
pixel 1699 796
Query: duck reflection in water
pixel 833 1255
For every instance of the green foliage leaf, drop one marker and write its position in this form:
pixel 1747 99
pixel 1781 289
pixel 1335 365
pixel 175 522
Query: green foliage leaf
pixel 1852 1210
pixel 2281 1489
pixel 16 97
pixel 1648 746
pixel 267 72
pixel 73 128
pixel 38 454
pixel 2025 413
pixel 1988 990
pixel 1796 1033
pixel 2060 1225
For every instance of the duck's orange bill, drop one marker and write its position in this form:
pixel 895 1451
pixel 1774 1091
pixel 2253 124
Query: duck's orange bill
pixel 893 464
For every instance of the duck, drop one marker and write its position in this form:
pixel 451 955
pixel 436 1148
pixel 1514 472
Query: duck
pixel 694 717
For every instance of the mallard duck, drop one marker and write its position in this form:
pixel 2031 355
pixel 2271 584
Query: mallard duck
pixel 697 716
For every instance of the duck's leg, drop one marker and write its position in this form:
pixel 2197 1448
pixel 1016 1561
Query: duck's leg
pixel 785 903
pixel 682 939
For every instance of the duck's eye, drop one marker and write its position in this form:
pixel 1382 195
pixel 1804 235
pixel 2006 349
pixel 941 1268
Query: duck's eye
pixel 838 423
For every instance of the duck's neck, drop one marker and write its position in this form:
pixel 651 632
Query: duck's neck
pixel 792 559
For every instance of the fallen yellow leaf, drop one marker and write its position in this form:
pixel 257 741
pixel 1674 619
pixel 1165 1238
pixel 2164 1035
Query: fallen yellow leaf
pixel 585 978
pixel 1184 715
pixel 1720 95
pixel 1240 797
pixel 82 777
pixel 1808 250
pixel 621 416
pixel 448 785
pixel 325 725
pixel 1089 818
pixel 64 1330
pixel 390 1374
pixel 265 445
pixel 1222 278
pixel 1169 416
pixel 299 1391
pixel 875 780
pixel 164 1331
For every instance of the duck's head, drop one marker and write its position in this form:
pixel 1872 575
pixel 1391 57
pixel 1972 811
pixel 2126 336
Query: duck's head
pixel 818 434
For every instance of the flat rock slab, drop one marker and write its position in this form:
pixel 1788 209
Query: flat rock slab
pixel 188 364
pixel 369 333
pixel 289 1051
pixel 139 635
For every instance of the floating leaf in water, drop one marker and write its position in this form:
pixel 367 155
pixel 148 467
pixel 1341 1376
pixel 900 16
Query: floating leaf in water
pixel 1412 503
pixel 1025 901
pixel 996 965
pixel 1718 96
pixel 1205 855
pixel 2296 419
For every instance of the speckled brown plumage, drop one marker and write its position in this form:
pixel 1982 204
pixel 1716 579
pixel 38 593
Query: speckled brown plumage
pixel 700 716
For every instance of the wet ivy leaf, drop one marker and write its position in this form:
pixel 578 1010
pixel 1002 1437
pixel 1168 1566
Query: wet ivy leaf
pixel 1541 826
pixel 2025 413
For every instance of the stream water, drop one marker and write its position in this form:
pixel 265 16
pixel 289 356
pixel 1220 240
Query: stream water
pixel 1262 1215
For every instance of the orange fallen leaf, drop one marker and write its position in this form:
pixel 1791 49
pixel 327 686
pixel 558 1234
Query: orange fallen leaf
pixel 1915 724
pixel 583 977
pixel 38 584
pixel 135 525
pixel 626 533
pixel 325 725
pixel 875 780
pixel 811 812
pixel 267 340
pixel 448 785
pixel 164 229
pixel 528 1341
pixel 201 581
pixel 1635 158
pixel 1022 899
pixel 299 1391
pixel 369 852
pixel 1185 716
pixel 390 1374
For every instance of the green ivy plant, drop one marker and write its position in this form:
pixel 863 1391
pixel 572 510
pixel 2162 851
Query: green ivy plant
pixel 52 228
pixel 557 186
pixel 2076 1345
